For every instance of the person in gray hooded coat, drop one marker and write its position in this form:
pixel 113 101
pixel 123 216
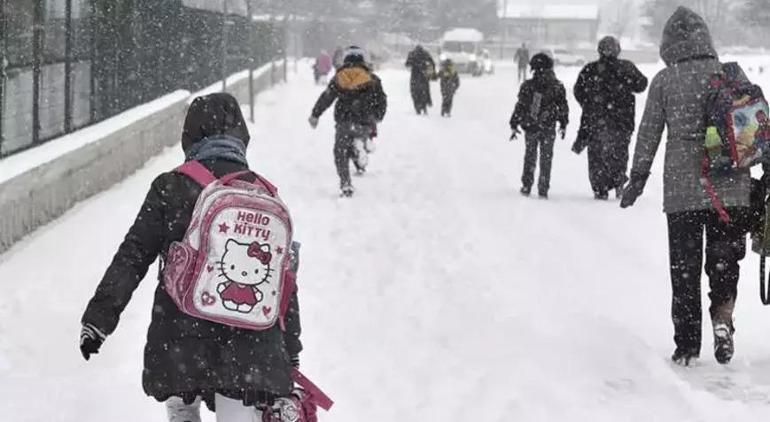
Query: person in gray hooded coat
pixel 676 102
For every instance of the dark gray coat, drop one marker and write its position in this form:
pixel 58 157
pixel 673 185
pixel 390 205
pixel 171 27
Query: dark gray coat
pixel 676 102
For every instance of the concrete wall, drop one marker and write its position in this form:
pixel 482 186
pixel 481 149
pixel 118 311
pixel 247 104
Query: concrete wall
pixel 102 155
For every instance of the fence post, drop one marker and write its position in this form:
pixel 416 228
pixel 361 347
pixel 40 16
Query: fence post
pixel 68 67
pixel 272 73
pixel 224 45
pixel 37 67
pixel 93 22
pixel 3 65
pixel 252 31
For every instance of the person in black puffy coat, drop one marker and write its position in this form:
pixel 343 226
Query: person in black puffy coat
pixel 542 104
pixel 361 104
pixel 187 358
pixel 605 89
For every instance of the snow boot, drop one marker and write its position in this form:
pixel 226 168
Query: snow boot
pixel 601 196
pixel 542 194
pixel 723 343
pixel 361 158
pixel 685 357
pixel 347 191
pixel 525 190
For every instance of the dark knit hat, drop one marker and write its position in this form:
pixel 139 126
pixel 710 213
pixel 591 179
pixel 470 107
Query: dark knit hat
pixel 541 62
pixel 609 47
pixel 211 115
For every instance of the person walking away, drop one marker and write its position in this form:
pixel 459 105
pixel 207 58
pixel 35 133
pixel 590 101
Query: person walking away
pixel 605 90
pixel 338 58
pixel 450 83
pixel 187 358
pixel 522 59
pixel 322 67
pixel 361 105
pixel 542 104
pixel 423 69
pixel 677 102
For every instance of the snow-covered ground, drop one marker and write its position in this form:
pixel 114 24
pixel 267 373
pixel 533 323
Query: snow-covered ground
pixel 436 294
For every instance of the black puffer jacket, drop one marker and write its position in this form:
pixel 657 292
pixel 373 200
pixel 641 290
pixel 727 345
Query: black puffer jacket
pixel 359 95
pixel 605 89
pixel 185 356
pixel 542 103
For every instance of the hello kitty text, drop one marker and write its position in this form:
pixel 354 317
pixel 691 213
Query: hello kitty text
pixel 247 224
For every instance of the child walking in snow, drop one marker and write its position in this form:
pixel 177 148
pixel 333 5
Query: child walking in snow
pixel 186 359
pixel 542 104
pixel 450 82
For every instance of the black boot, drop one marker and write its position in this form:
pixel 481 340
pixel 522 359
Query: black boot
pixel 723 343
pixel 684 357
pixel 526 190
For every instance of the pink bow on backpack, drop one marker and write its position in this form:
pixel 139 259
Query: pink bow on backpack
pixel 255 251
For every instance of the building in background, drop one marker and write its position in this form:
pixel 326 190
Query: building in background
pixel 565 25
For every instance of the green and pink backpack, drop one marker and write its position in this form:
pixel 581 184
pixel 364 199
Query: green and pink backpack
pixel 737 128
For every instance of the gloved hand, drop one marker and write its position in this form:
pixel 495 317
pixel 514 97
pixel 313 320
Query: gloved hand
pixel 634 189
pixel 577 148
pixel 91 339
pixel 313 121
pixel 516 133
pixel 563 131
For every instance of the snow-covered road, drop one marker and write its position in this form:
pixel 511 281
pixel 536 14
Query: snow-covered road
pixel 436 294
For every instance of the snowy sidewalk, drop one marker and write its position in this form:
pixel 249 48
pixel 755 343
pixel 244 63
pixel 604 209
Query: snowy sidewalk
pixel 436 294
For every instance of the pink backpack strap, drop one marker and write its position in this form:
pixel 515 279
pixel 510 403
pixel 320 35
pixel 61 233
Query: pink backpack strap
pixel 711 191
pixel 271 189
pixel 198 172
pixel 289 287
pixel 315 394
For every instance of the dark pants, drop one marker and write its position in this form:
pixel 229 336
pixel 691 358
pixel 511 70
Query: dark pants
pixel 421 98
pixel 544 140
pixel 345 148
pixel 522 74
pixel 725 247
pixel 446 103
pixel 608 160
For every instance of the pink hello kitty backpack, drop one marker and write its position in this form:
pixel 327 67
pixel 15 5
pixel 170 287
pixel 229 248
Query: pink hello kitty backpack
pixel 233 265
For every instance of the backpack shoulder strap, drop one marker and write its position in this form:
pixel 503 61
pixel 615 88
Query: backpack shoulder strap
pixel 198 172
pixel 259 180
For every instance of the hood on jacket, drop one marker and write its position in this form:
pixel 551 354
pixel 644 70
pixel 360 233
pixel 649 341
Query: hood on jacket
pixel 353 77
pixel 212 115
pixel 609 47
pixel 686 36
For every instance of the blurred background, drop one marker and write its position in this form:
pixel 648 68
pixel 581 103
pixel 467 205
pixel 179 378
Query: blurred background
pixel 65 64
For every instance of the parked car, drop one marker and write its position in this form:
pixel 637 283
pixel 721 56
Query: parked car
pixel 463 47
pixel 563 57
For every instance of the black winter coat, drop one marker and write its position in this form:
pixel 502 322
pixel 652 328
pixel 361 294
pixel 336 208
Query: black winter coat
pixel 359 95
pixel 186 356
pixel 605 89
pixel 450 81
pixel 542 103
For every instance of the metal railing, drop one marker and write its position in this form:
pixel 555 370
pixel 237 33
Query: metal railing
pixel 65 64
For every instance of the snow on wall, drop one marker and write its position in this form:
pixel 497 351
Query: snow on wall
pixel 39 185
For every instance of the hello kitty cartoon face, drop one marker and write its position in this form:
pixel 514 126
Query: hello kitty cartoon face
pixel 246 264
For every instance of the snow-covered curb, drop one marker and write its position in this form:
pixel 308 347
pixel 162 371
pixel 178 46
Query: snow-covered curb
pixel 39 185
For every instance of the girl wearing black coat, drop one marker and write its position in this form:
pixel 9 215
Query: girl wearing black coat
pixel 187 358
